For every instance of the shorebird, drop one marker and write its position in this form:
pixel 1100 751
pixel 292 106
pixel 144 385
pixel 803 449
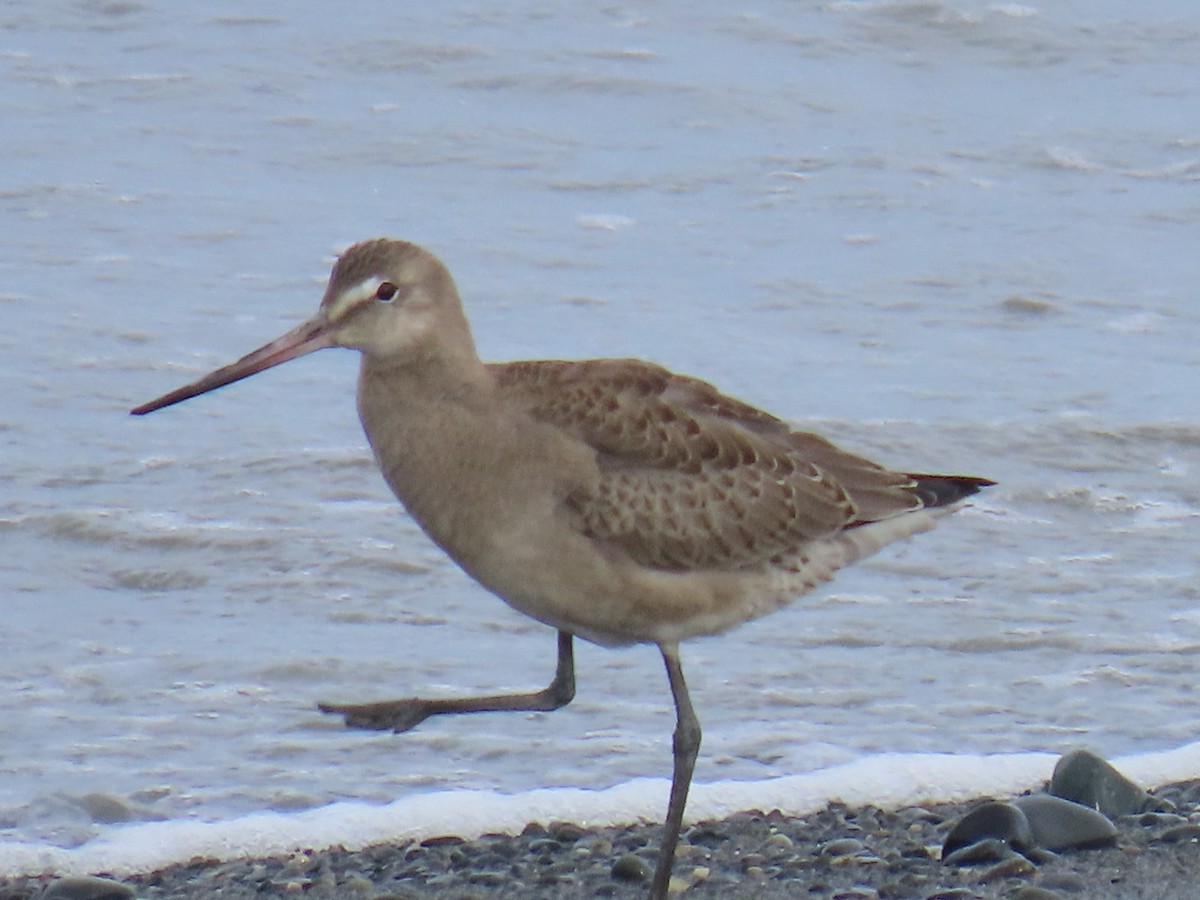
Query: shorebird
pixel 609 499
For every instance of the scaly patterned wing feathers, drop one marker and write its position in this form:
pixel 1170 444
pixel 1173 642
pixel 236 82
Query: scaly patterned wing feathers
pixel 693 479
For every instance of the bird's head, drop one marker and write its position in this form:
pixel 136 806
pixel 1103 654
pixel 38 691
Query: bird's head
pixel 390 299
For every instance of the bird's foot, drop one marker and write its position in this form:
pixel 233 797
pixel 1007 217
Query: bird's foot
pixel 389 715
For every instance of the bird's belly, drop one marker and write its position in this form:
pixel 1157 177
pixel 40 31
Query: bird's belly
pixel 614 602
pixel 570 584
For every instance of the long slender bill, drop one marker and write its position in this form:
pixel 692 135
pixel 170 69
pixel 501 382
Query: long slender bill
pixel 314 334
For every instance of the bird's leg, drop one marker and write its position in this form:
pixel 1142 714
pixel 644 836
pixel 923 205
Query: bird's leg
pixel 401 715
pixel 686 744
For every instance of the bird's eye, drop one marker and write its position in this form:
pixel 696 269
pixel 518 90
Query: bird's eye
pixel 386 292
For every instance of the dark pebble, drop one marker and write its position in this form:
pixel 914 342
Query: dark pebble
pixel 445 840
pixel 991 819
pixel 1085 778
pixel 984 850
pixel 567 832
pixel 707 835
pixel 545 847
pixel 841 847
pixel 87 889
pixel 630 867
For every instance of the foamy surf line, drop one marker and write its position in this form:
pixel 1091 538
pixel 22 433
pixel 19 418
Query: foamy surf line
pixel 888 781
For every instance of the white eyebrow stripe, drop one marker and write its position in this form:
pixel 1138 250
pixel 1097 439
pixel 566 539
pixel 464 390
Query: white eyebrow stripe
pixel 352 297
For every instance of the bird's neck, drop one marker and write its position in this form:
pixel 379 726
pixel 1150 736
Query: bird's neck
pixel 430 427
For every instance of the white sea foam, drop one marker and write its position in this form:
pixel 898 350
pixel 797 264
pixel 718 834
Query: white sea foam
pixel 889 781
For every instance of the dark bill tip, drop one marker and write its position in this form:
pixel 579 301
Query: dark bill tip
pixel 314 334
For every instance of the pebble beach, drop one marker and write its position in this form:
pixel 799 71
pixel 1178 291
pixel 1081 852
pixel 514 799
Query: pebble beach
pixel 839 852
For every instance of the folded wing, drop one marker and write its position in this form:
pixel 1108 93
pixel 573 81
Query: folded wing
pixel 693 479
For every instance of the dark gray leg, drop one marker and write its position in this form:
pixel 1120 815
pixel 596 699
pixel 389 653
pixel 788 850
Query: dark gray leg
pixel 686 744
pixel 401 715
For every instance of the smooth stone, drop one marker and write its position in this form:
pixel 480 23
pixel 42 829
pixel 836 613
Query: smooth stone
pixel 841 847
pixel 84 888
pixel 987 850
pixel 1180 834
pixel 1085 778
pixel 677 884
pixel 445 840
pixel 1059 824
pixel 991 819
pixel 1014 867
pixel 630 867
pixel 566 832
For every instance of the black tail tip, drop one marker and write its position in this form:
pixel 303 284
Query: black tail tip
pixel 944 490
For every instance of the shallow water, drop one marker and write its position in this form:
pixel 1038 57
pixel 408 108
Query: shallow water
pixel 952 236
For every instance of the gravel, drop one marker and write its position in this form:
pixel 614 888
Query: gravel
pixel 839 852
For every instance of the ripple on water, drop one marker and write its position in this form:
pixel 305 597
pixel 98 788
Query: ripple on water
pixel 134 529
pixel 155 580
